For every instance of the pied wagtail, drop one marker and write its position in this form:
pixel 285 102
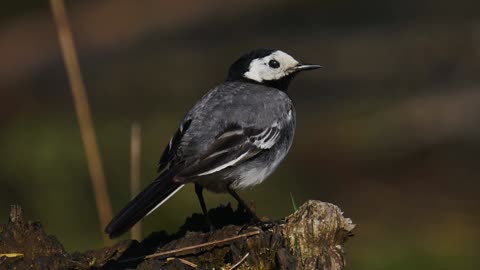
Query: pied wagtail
pixel 234 137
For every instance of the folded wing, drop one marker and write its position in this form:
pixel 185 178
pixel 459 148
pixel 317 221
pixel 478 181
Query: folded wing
pixel 231 147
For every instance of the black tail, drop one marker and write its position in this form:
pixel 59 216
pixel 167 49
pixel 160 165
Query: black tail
pixel 146 201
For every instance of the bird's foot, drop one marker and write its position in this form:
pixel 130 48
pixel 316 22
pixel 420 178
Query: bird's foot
pixel 250 211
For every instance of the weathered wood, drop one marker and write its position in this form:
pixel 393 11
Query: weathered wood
pixel 310 238
pixel 16 215
pixel 315 235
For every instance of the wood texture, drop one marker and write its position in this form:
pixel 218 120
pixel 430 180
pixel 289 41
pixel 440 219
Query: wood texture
pixel 311 238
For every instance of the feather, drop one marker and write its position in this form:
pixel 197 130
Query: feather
pixel 143 204
pixel 232 146
pixel 170 150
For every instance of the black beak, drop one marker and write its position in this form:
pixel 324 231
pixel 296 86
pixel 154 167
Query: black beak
pixel 303 67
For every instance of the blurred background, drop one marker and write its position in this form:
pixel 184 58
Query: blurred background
pixel 388 130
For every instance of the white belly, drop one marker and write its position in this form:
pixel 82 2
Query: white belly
pixel 254 174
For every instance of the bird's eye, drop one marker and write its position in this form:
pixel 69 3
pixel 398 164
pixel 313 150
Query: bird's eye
pixel 274 64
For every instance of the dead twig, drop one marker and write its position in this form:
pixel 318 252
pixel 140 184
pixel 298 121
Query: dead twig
pixel 240 262
pixel 183 261
pixel 212 243
pixel 82 109
pixel 190 248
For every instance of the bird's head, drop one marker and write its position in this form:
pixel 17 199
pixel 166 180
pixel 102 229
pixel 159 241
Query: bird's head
pixel 267 66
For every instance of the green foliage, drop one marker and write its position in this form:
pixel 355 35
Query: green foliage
pixel 294 205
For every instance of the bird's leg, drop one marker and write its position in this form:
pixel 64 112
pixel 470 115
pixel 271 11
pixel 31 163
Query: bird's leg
pixel 199 192
pixel 243 204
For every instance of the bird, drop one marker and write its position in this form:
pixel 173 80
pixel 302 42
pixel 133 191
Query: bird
pixel 233 138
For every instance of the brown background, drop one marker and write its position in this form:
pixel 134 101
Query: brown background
pixel 388 130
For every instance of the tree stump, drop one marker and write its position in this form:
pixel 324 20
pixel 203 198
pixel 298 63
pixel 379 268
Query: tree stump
pixel 310 238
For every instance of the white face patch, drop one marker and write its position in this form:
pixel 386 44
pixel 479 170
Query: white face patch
pixel 260 70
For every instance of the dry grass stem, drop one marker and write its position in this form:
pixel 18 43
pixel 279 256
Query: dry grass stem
pixel 82 109
pixel 183 261
pixel 135 146
pixel 187 263
pixel 240 262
